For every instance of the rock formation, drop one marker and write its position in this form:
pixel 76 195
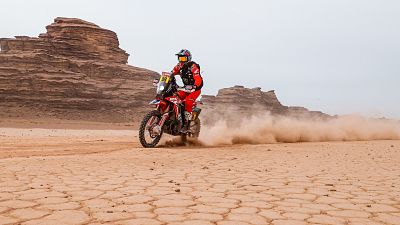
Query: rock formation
pixel 74 71
pixel 242 101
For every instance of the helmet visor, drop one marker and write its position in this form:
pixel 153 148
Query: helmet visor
pixel 182 58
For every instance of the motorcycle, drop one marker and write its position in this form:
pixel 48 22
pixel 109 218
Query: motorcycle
pixel 169 115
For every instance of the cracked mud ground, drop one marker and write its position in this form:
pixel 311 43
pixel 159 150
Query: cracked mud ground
pixel 48 177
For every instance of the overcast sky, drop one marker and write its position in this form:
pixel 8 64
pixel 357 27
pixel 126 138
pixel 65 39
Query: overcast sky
pixel 338 56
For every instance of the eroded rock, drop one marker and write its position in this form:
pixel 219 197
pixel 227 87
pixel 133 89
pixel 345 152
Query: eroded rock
pixel 74 71
pixel 238 100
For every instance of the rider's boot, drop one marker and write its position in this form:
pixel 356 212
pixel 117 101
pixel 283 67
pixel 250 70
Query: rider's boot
pixel 186 125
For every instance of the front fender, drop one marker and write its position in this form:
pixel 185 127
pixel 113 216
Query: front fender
pixel 154 102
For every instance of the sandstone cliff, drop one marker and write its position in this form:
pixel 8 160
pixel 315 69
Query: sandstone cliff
pixel 74 71
pixel 242 101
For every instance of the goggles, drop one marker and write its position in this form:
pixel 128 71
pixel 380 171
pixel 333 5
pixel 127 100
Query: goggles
pixel 182 58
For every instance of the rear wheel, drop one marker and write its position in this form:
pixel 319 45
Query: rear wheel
pixel 149 133
pixel 195 127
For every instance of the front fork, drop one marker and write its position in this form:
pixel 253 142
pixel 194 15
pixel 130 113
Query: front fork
pixel 164 116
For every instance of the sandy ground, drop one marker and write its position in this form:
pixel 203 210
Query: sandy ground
pixel 51 176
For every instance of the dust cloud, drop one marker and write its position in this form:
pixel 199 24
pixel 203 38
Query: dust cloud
pixel 171 141
pixel 266 128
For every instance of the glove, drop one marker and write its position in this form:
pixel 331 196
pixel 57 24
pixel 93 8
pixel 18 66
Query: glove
pixel 155 82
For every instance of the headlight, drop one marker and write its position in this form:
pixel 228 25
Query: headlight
pixel 161 88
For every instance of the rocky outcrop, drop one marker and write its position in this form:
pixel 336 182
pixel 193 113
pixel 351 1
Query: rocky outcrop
pixel 242 101
pixel 71 38
pixel 74 71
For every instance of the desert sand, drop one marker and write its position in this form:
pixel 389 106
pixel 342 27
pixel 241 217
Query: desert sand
pixel 78 176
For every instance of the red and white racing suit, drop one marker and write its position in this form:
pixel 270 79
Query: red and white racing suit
pixel 190 74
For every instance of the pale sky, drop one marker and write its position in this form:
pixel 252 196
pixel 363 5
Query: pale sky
pixel 337 56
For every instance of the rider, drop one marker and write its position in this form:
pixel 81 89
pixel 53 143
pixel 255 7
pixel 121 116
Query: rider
pixel 191 78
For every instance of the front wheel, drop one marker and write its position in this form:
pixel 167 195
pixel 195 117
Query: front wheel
pixel 150 133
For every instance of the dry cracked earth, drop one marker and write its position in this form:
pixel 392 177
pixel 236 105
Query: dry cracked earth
pixel 104 177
